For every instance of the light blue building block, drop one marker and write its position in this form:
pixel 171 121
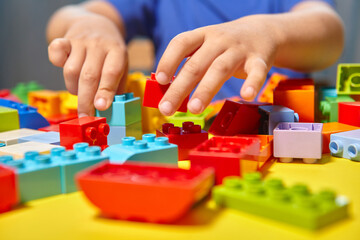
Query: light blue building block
pixel 346 145
pixel 271 115
pixel 149 149
pixel 73 161
pixel 118 132
pixel 46 137
pixel 125 110
pixel 38 176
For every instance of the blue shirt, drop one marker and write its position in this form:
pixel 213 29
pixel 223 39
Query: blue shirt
pixel 161 20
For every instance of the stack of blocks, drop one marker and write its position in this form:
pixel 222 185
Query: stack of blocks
pixel 123 117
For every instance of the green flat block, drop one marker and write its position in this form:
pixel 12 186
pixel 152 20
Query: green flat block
pixel 348 79
pixel 9 118
pixel 200 119
pixel 329 107
pixel 270 199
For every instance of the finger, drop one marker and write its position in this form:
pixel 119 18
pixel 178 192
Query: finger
pixel 59 50
pixel 256 70
pixel 72 68
pixel 180 47
pixel 112 72
pixel 190 74
pixel 220 71
pixel 89 81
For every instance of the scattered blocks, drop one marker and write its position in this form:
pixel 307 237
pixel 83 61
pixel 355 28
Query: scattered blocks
pixel 149 149
pixel 154 93
pixel 298 140
pixel 346 145
pixel 21 90
pixel 8 188
pixel 333 127
pixel 348 79
pixel 44 137
pixel 93 130
pixel 9 119
pixel 46 101
pixel 329 107
pixel 266 95
pixel 19 150
pixel 186 138
pixel 271 199
pixel 200 119
pixel 153 193
pixel 118 132
pixel 349 113
pixel 266 145
pixel 12 137
pixel 6 94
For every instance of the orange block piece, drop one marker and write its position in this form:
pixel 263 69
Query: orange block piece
pixel 267 93
pixel 333 127
pixel 298 95
pixel 46 101
pixel 266 145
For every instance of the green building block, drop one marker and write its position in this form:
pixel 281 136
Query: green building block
pixel 329 107
pixel 348 79
pixel 9 119
pixel 199 119
pixel 21 90
pixel 270 199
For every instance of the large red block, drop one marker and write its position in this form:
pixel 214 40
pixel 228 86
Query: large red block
pixel 8 189
pixel 154 92
pixel 145 192
pixel 186 138
pixel 349 113
pixel 93 130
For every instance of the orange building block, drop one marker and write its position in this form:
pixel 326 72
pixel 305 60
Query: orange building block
pixel 266 95
pixel 266 145
pixel 298 95
pixel 46 101
pixel 333 127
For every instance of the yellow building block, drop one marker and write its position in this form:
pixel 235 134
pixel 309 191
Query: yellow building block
pixel 69 103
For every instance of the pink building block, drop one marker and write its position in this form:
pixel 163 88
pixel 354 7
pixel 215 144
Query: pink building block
pixel 298 140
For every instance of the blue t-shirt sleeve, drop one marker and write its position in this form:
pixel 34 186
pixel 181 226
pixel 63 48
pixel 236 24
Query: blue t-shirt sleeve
pixel 287 5
pixel 138 16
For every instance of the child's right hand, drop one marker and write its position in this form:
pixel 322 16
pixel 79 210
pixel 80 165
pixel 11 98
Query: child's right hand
pixel 94 57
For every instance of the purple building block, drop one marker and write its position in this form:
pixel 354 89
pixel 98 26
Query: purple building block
pixel 298 140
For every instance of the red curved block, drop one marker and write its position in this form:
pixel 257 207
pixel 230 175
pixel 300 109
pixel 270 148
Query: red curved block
pixel 141 192
pixel 8 189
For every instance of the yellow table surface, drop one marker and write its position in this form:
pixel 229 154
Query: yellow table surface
pixel 73 217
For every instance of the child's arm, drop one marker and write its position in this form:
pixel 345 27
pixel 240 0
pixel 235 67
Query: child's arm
pixel 308 38
pixel 87 40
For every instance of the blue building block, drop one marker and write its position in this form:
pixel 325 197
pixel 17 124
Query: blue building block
pixel 46 137
pixel 346 145
pixel 38 176
pixel 28 116
pixel 73 161
pixel 149 149
pixel 125 110
pixel 271 115
pixel 118 132
pixel 327 92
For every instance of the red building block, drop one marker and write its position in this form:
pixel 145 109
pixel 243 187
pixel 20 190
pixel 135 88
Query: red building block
pixel 186 138
pixel 349 113
pixel 51 128
pixel 56 119
pixel 237 118
pixel 266 145
pixel 93 130
pixel 144 192
pixel 154 93
pixel 6 94
pixel 225 155
pixel 8 189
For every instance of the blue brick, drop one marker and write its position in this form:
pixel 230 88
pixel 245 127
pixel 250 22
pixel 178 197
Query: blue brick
pixel 346 145
pixel 125 110
pixel 46 137
pixel 149 149
pixel 119 132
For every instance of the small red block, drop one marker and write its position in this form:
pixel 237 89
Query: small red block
pixel 8 189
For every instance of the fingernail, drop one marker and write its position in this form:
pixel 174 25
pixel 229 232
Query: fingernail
pixel 249 92
pixel 162 78
pixel 166 108
pixel 100 103
pixel 80 115
pixel 196 105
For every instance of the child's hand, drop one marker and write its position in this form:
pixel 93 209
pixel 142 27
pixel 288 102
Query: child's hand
pixel 244 48
pixel 94 57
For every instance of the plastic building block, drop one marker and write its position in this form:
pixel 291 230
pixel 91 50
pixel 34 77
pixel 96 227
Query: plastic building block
pixel 333 127
pixel 19 150
pixel 9 119
pixel 186 138
pixel 327 92
pixel 149 149
pixel 68 103
pixel 28 116
pixel 298 140
pixel 119 132
pixel 38 176
pixel 73 161
pixel 153 193
pixel 329 107
pixel 271 115
pixel 266 145
pixel 225 155
pixel 21 90
pixel 349 113
pixel 298 95
pixel 237 118
pixel 12 137
pixel 8 188
pixel 346 145
pixel 6 94
pixel 154 93
pixel 93 130
pixel 51 128
pixel 46 101
pixel 271 199
pixel 217 105
pixel 44 137
pixel 348 79
pixel 266 94
pixel 200 119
